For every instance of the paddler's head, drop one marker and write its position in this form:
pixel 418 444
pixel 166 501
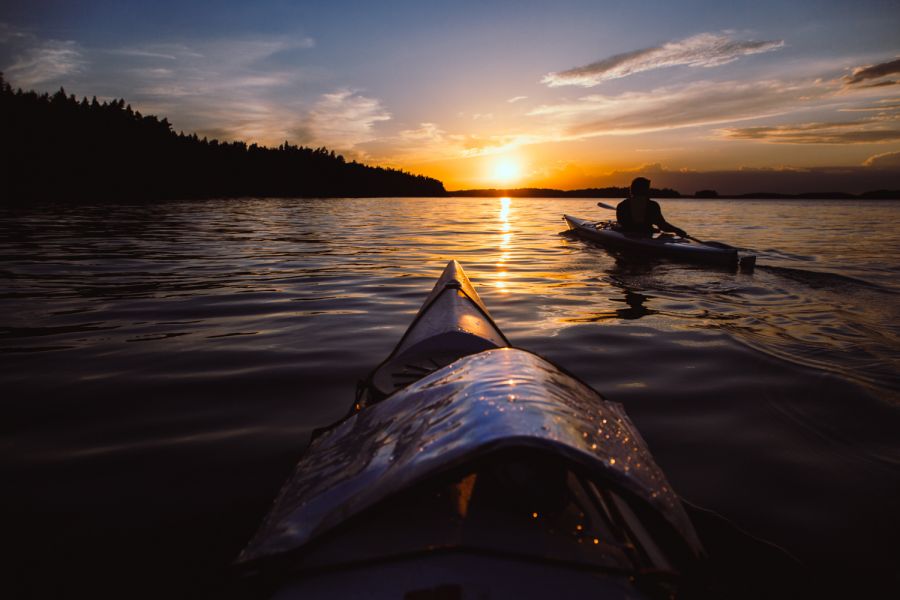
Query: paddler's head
pixel 640 187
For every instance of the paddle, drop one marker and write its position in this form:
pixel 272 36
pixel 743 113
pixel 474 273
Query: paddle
pixel 722 245
pixel 690 237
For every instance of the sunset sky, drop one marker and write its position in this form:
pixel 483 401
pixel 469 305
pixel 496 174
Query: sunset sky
pixel 738 97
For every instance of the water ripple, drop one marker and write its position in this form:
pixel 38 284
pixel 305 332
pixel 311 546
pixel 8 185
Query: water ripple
pixel 192 346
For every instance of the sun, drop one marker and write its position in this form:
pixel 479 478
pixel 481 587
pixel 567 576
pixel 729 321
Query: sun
pixel 506 171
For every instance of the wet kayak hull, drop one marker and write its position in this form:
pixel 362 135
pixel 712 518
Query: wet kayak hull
pixel 661 245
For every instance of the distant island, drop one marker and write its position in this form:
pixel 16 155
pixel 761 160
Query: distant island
pixel 622 192
pixel 57 147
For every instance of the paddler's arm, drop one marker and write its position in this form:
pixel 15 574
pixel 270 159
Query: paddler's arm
pixel 664 225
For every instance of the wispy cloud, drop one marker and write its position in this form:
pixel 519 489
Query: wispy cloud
pixel 885 160
pixel 425 131
pixel 345 118
pixel 882 105
pixel 482 145
pixel 220 88
pixel 695 104
pixel 702 50
pixel 702 104
pixel 140 53
pixel 515 99
pixel 30 61
pixel 257 89
pixel 865 74
pixel 430 143
pixel 863 131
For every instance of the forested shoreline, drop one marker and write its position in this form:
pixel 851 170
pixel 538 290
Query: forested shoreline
pixel 61 148
pixel 58 147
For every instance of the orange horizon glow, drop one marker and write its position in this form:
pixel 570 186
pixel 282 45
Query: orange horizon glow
pixel 692 107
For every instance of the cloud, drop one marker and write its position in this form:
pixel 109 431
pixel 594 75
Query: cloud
pixel 220 88
pixel 695 104
pixel 869 72
pixel 863 131
pixel 256 89
pixel 885 83
pixel 515 99
pixel 426 131
pixel 426 143
pixel 886 160
pixel 345 118
pixel 483 145
pixel 136 52
pixel 8 33
pixel 691 105
pixel 430 143
pixel 28 61
pixel 881 106
pixel 702 50
pixel 249 88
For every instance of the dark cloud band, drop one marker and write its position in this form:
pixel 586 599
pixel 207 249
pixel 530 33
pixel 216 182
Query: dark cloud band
pixel 878 71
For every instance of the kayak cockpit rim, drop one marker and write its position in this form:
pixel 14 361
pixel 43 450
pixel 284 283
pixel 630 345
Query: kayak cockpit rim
pixel 612 536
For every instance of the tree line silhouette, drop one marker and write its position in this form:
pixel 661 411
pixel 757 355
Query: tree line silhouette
pixel 57 147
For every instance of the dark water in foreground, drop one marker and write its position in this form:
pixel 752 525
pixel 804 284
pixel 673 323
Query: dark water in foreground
pixel 162 366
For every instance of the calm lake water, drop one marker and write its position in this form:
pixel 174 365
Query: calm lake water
pixel 163 365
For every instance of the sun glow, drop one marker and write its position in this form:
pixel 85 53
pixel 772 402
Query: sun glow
pixel 506 171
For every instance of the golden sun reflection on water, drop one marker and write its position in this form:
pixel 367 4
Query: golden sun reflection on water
pixel 505 244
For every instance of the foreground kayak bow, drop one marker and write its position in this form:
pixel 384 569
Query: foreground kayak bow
pixel 496 474
pixel 452 322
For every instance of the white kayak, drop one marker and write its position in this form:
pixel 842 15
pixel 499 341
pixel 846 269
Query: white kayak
pixel 664 245
pixel 471 469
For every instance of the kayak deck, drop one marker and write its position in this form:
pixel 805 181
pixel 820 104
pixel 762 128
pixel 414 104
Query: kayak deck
pixel 453 322
pixel 503 398
pixel 498 456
